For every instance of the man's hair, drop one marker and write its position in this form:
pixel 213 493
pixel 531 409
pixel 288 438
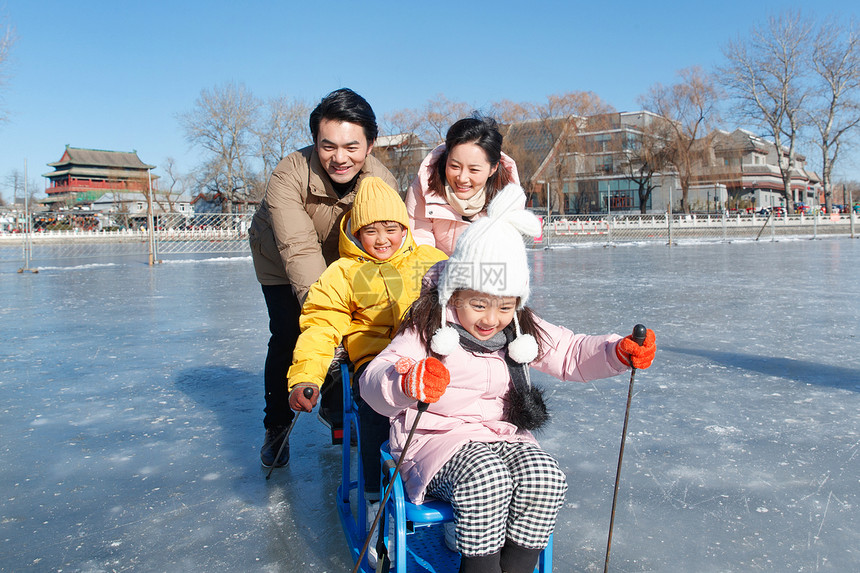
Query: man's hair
pixel 344 105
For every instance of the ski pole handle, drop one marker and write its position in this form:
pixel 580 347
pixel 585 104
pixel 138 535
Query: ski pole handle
pixel 639 333
pixel 422 406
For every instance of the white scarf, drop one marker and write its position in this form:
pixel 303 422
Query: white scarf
pixel 466 207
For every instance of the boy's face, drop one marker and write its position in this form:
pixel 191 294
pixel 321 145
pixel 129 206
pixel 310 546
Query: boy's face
pixel 381 239
pixel 483 315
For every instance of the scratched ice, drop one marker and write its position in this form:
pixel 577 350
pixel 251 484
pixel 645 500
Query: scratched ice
pixel 131 398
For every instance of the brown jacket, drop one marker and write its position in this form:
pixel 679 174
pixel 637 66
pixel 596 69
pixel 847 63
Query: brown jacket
pixel 294 233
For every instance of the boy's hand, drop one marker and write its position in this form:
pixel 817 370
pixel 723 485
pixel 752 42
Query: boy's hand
pixel 425 380
pixel 299 402
pixel 631 354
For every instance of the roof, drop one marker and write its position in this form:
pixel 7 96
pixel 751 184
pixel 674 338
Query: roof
pixel 77 156
pixel 136 197
pixel 393 140
pixel 98 173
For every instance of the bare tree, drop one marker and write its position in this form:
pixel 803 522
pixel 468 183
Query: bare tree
pixel 7 39
pixel 507 111
pixel 403 149
pixel 563 117
pixel 177 183
pixel 649 157
pixel 835 108
pixel 222 123
pixel 15 182
pixel 765 76
pixel 689 108
pixel 439 114
pixel 282 129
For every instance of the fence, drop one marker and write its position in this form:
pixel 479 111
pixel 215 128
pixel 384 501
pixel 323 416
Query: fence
pixel 177 236
pixel 562 230
pixel 172 236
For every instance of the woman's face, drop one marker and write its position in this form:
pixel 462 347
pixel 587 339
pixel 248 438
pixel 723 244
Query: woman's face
pixel 467 170
pixel 483 315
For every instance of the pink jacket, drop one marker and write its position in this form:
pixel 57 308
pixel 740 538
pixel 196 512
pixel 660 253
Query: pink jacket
pixel 434 222
pixel 471 408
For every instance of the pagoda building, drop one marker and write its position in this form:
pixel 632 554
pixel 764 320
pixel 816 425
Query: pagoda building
pixel 82 176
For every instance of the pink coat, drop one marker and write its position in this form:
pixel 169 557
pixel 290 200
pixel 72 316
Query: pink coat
pixel 471 408
pixel 434 221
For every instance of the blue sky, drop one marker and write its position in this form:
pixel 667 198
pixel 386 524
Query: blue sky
pixel 114 75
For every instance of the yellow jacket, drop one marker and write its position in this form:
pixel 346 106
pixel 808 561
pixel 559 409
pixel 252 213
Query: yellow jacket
pixel 360 300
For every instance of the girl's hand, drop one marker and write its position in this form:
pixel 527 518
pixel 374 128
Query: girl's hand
pixel 425 380
pixel 634 355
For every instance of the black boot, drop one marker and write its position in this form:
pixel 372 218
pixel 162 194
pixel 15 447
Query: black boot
pixel 480 564
pixel 275 436
pixel 516 559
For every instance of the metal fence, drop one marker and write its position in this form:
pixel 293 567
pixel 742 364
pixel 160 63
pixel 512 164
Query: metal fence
pixel 178 236
pixel 171 236
pixel 559 230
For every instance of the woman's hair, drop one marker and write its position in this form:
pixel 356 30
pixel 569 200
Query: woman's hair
pixel 484 132
pixel 344 105
pixel 425 317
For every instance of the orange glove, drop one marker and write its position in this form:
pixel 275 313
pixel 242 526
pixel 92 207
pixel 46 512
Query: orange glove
pixel 634 355
pixel 299 401
pixel 425 380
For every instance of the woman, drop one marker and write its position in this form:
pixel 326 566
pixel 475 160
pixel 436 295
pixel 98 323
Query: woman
pixel 456 182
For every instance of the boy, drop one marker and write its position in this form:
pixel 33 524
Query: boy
pixel 360 299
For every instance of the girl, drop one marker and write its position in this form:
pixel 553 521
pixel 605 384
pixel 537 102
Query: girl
pixel 473 447
pixel 457 181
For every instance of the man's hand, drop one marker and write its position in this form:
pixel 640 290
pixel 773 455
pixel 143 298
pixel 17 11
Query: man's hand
pixel 299 402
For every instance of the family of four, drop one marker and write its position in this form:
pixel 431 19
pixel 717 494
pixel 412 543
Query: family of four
pixel 426 299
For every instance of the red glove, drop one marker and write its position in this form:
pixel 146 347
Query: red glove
pixel 425 380
pixel 634 355
pixel 299 402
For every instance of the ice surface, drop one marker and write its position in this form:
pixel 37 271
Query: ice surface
pixel 131 416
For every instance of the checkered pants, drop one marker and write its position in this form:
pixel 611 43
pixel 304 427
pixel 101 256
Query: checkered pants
pixel 499 491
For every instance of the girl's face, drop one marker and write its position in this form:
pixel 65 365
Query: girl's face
pixel 483 315
pixel 467 169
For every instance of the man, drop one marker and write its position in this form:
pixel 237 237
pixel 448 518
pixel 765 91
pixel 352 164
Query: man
pixel 294 237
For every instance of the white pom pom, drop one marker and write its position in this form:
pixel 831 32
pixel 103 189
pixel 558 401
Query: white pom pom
pixel 445 340
pixel 523 349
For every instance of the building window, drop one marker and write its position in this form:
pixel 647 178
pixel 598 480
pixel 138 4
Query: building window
pixel 604 164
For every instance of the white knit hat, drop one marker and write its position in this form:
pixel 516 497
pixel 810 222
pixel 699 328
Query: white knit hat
pixel 490 257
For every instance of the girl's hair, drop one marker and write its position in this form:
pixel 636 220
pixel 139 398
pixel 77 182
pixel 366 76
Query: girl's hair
pixel 484 132
pixel 425 317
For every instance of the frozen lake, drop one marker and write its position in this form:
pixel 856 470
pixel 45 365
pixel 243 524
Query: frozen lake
pixel 132 416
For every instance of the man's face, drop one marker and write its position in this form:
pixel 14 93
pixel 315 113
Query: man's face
pixel 342 148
